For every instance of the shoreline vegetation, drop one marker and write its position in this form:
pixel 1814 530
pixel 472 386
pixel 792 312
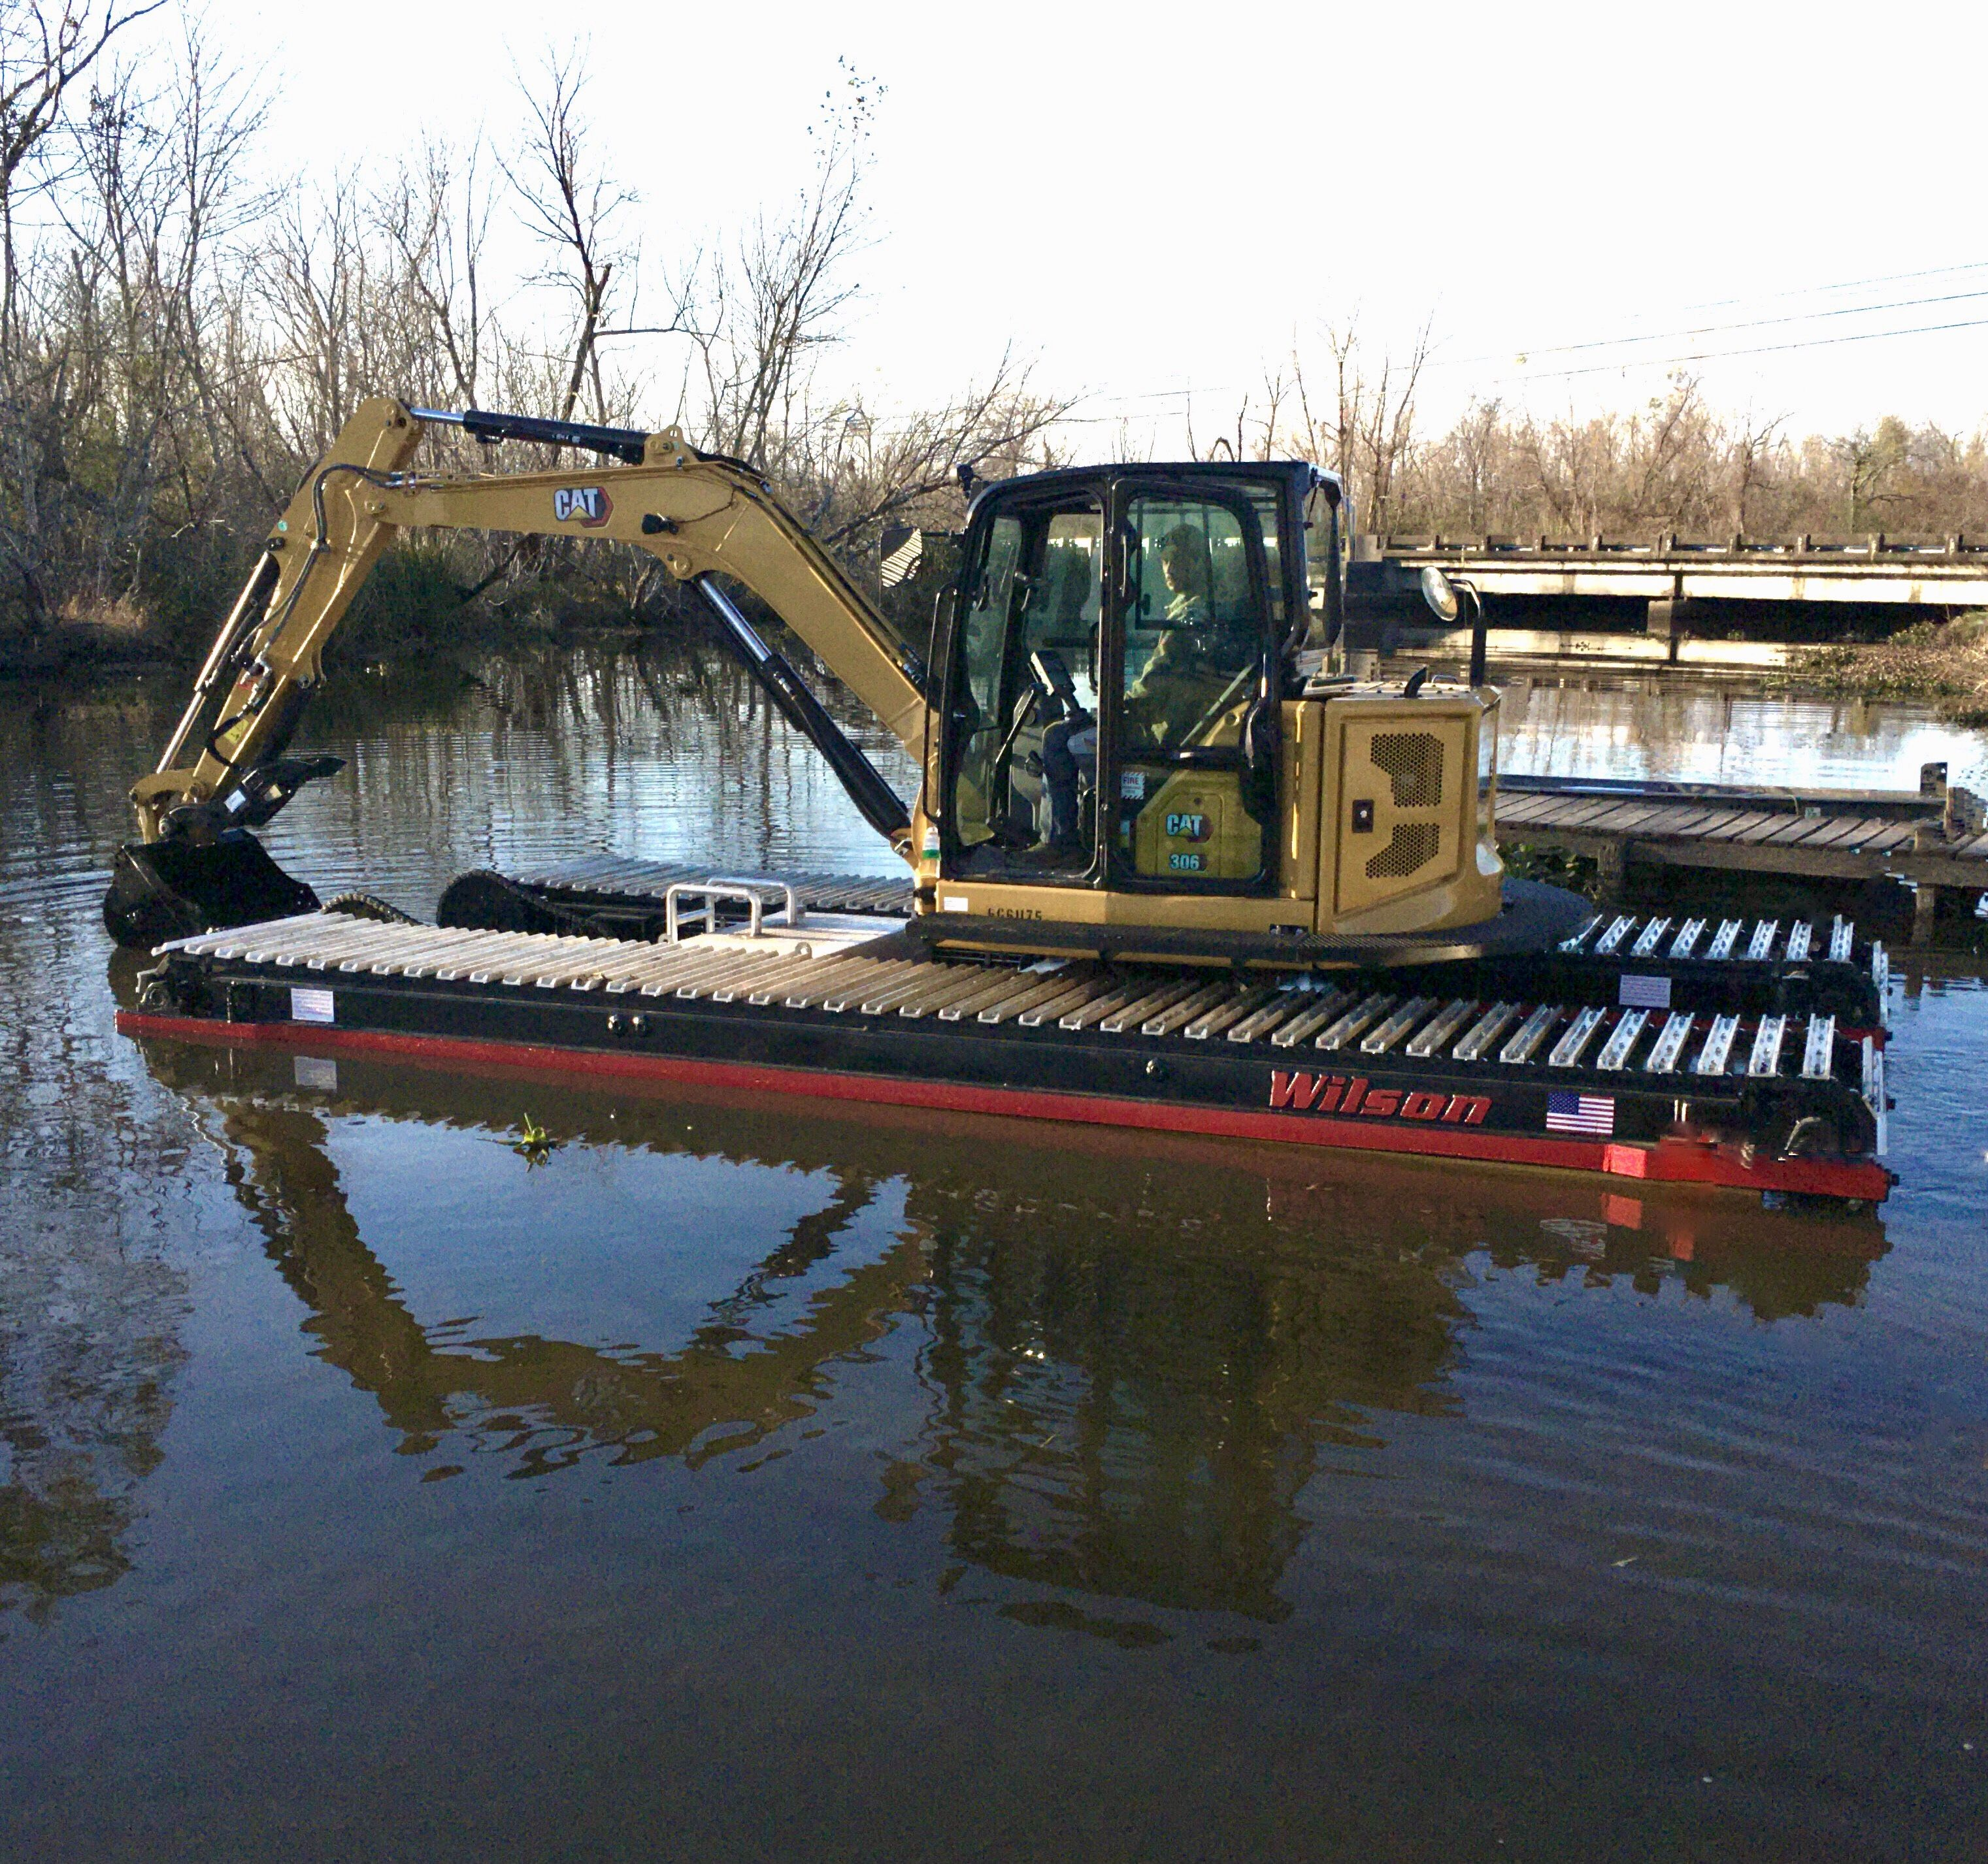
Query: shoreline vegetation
pixel 1945 664
pixel 180 339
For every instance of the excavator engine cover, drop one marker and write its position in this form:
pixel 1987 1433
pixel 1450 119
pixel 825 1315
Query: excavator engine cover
pixel 177 888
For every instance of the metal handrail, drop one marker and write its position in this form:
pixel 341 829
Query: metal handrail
pixel 750 892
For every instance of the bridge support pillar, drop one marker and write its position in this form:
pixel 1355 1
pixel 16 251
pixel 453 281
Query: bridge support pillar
pixel 1669 619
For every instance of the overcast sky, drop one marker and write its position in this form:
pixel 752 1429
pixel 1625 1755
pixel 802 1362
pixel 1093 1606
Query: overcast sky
pixel 1155 199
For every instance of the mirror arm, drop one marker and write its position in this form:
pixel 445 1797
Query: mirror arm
pixel 1477 642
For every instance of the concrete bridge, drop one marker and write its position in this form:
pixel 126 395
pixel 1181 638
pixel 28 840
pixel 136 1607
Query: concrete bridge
pixel 1949 573
pixel 1674 579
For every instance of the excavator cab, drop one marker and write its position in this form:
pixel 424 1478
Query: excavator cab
pixel 1111 691
pixel 1147 743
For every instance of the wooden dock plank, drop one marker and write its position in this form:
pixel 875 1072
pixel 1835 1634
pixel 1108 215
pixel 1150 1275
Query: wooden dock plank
pixel 1673 820
pixel 1799 831
pixel 1522 805
pixel 1716 823
pixel 1577 812
pixel 1769 828
pixel 1847 832
pixel 1736 828
pixel 1691 823
pixel 1550 809
pixel 1871 829
pixel 1890 835
pixel 1623 819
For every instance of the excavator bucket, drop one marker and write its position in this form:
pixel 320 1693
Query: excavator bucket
pixel 177 889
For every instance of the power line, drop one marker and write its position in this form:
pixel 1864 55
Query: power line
pixel 1817 291
pixel 1755 323
pixel 1659 336
pixel 1812 342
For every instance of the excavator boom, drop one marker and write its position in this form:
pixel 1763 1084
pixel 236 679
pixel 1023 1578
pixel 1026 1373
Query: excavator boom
pixel 224 770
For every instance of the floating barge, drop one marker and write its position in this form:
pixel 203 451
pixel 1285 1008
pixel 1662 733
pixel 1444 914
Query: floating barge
pixel 1743 1055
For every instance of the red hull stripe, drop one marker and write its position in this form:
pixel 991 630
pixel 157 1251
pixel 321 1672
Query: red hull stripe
pixel 1662 1163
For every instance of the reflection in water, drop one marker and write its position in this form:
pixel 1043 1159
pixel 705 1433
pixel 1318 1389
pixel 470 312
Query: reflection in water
pixel 543 1402
pixel 1569 1501
pixel 1712 731
pixel 88 1354
pixel 1135 1355
pixel 90 1303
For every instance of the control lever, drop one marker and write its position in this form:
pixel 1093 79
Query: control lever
pixel 1051 673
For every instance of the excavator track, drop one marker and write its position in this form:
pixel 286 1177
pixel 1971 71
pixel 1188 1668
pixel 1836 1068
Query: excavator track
pixel 1741 1053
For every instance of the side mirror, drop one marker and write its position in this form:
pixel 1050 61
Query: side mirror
pixel 1440 593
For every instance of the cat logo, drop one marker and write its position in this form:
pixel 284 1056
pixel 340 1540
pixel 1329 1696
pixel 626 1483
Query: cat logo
pixel 1185 827
pixel 586 505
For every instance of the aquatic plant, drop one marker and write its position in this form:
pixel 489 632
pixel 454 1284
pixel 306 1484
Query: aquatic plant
pixel 1946 663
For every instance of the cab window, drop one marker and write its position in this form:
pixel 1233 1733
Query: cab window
pixel 1197 623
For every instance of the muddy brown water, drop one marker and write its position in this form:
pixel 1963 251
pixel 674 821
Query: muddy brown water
pixel 746 1480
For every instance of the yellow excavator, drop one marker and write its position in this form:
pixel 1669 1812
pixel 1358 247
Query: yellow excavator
pixel 1135 735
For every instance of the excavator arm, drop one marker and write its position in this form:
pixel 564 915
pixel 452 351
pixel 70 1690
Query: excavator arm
pixel 701 515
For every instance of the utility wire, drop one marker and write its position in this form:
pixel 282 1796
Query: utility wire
pixel 1817 291
pixel 1748 324
pixel 1755 323
pixel 1812 342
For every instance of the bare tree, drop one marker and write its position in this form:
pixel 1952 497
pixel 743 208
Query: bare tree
pixel 759 318
pixel 852 474
pixel 45 49
pixel 433 216
pixel 569 202
pixel 1366 433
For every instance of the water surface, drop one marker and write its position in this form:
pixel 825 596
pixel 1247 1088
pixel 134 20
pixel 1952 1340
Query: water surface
pixel 747 1480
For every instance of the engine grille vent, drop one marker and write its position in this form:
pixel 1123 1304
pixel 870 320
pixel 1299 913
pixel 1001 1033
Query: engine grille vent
pixel 1413 760
pixel 1413 844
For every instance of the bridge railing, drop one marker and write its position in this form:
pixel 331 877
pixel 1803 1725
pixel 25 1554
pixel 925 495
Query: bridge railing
pixel 1843 549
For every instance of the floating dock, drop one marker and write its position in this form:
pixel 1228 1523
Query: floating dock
pixel 1749 1054
pixel 1931 839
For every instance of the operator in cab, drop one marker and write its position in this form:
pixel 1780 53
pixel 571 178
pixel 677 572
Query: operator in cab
pixel 1195 662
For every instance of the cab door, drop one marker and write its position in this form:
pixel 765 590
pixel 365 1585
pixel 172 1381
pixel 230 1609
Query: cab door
pixel 1189 786
pixel 1019 752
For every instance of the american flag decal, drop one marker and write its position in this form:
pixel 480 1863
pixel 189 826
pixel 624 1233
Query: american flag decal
pixel 1593 1114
